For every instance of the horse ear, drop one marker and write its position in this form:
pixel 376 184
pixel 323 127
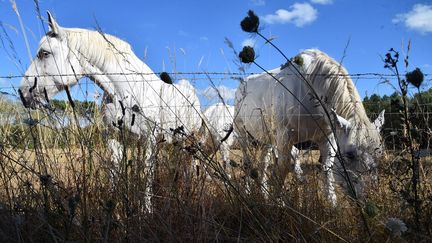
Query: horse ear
pixel 54 28
pixel 379 121
pixel 340 121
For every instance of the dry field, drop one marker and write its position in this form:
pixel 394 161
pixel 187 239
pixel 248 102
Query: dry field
pixel 77 194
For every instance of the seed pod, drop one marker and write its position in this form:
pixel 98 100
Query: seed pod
pixel 254 174
pixel 164 76
pixel 247 55
pixel 133 120
pixel 250 23
pixel 415 77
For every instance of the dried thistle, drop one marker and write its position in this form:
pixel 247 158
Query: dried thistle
pixel 415 77
pixel 254 174
pixel 298 60
pixel 247 55
pixel 250 23
pixel 396 226
pixel 164 76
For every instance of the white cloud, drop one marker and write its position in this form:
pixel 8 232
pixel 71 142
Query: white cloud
pixel 258 2
pixel 323 2
pixel 418 19
pixel 227 93
pixel 299 14
pixel 204 38
pixel 183 33
pixel 249 42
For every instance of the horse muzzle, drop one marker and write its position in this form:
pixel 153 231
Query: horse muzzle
pixel 28 100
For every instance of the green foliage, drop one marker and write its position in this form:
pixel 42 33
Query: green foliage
pixel 81 107
pixel 393 124
pixel 419 106
pixel 371 209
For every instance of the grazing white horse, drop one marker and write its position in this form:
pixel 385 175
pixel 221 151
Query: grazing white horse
pixel 265 108
pixel 135 98
pixel 220 119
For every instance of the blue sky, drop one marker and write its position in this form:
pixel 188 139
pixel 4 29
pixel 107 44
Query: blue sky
pixel 193 34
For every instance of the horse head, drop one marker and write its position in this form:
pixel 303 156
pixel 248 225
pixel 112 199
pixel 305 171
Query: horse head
pixel 358 157
pixel 53 69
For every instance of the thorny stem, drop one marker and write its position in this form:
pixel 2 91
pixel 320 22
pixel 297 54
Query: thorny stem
pixel 414 159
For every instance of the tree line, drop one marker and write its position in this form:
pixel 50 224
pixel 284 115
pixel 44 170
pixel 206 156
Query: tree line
pixel 394 131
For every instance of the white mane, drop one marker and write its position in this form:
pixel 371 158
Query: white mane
pixel 329 76
pixel 104 50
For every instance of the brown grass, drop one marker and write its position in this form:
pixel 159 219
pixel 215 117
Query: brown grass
pixel 58 185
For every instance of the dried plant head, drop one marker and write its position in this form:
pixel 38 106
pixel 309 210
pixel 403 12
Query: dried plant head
pixel 250 23
pixel 247 55
pixel 164 76
pixel 415 77
pixel 298 60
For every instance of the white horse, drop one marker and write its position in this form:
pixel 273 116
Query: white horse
pixel 220 119
pixel 264 107
pixel 135 97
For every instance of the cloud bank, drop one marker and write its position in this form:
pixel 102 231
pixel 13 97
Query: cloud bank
pixel 299 14
pixel 228 94
pixel 418 19
pixel 323 2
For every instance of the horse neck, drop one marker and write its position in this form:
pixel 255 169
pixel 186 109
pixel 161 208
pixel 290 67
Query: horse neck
pixel 124 76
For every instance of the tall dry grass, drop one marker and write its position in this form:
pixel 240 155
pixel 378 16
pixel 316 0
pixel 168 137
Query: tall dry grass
pixel 61 185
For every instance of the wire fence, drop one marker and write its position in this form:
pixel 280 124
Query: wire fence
pixel 193 76
pixel 139 77
pixel 207 74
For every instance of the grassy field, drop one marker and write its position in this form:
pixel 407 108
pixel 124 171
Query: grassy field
pixel 61 185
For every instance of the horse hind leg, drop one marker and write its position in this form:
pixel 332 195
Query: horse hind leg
pixel 150 170
pixel 276 169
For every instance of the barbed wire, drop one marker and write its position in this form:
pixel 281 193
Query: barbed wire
pixel 193 76
pixel 231 74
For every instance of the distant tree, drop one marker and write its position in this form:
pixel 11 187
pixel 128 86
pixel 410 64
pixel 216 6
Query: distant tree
pixel 420 108
pixel 81 107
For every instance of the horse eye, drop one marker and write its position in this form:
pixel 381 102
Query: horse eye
pixel 43 54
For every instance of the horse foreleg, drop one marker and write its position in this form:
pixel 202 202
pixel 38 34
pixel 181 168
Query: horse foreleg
pixel 267 170
pixel 150 169
pixel 295 156
pixel 225 152
pixel 116 151
pixel 328 154
pixel 247 162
